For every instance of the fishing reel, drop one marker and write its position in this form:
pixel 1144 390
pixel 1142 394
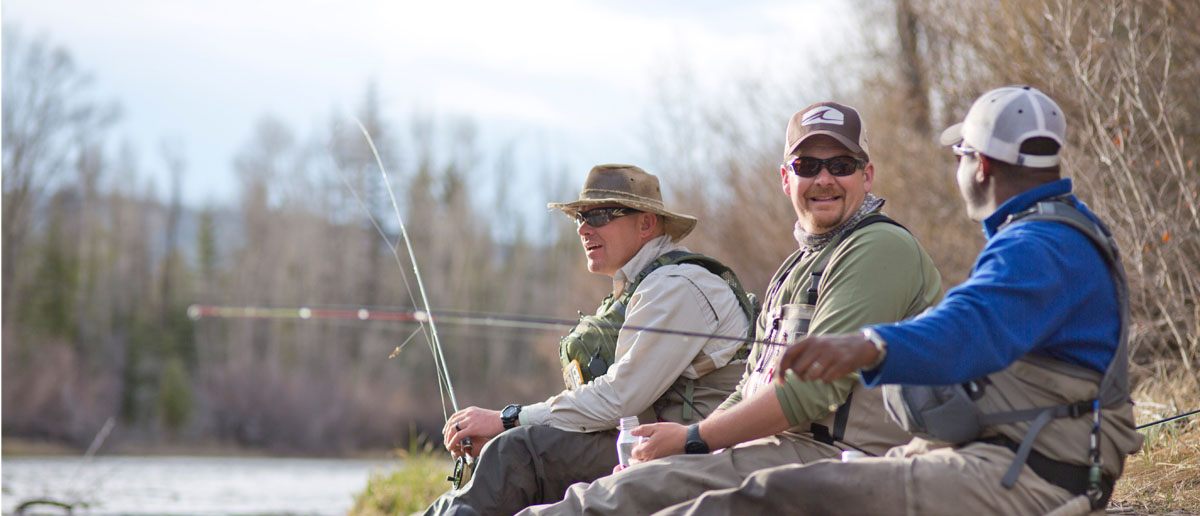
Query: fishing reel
pixel 463 466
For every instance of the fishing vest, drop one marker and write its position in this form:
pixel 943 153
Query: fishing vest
pixel 590 348
pixel 857 423
pixel 1065 420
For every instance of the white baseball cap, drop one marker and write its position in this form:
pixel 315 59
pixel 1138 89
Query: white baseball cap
pixel 1002 119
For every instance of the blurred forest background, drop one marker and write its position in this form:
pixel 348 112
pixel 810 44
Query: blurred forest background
pixel 98 271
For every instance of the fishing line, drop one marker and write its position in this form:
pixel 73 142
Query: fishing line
pixel 435 344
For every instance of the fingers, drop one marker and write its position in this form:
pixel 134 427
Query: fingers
pixel 792 356
pixel 825 358
pixel 644 430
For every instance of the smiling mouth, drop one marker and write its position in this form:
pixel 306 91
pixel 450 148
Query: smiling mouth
pixel 825 198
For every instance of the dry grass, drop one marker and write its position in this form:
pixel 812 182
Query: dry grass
pixel 1164 477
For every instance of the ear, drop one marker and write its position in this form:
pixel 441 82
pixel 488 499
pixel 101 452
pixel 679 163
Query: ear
pixel 868 176
pixel 647 224
pixel 984 172
pixel 784 177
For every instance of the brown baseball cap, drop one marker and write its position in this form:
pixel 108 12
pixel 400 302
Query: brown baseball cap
pixel 839 121
pixel 632 187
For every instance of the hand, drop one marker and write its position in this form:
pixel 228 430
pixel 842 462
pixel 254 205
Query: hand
pixel 827 357
pixel 658 440
pixel 458 450
pixel 478 424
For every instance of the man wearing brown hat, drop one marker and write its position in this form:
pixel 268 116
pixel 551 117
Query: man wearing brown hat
pixel 614 364
pixel 853 267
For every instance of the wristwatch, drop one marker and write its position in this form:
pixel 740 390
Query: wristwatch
pixel 508 416
pixel 693 444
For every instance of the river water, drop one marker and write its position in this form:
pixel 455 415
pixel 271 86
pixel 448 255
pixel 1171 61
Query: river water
pixel 211 486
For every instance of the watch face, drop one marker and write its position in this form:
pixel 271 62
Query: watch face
pixel 695 447
pixel 510 411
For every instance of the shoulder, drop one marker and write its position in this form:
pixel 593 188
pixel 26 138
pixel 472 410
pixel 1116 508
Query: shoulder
pixel 880 242
pixel 681 274
pixel 1043 242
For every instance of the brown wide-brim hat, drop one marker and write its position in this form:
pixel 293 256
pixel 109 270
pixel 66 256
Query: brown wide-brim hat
pixel 632 187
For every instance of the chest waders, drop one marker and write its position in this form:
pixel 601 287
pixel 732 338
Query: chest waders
pixel 790 323
pixel 959 414
pixel 590 348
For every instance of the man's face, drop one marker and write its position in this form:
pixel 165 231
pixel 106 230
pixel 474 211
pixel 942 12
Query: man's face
pixel 611 246
pixel 968 186
pixel 824 201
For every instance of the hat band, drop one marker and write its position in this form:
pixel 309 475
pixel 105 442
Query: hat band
pixel 596 194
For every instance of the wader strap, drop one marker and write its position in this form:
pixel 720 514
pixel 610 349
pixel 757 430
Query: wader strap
pixel 814 287
pixel 1010 478
pixel 1071 410
pixel 688 395
pixel 688 405
pixel 821 432
pixel 841 419
pixel 1072 477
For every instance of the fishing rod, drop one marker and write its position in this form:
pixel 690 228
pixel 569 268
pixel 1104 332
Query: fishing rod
pixel 455 317
pixel 1169 419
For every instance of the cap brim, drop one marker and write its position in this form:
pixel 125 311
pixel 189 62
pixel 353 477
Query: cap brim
pixel 849 144
pixel 952 135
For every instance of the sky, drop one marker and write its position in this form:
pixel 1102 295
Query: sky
pixel 572 76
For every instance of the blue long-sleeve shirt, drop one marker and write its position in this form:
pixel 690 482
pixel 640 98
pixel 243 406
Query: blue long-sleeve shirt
pixel 1037 286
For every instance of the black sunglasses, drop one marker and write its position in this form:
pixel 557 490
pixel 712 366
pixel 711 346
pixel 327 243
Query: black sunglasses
pixel 601 216
pixel 839 166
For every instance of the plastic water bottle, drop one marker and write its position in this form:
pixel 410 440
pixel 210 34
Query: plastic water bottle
pixel 850 455
pixel 626 440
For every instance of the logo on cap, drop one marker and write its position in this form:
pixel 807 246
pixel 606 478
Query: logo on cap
pixel 824 115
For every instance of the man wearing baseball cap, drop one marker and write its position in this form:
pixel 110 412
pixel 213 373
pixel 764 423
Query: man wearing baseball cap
pixel 853 266
pixel 613 367
pixel 1022 369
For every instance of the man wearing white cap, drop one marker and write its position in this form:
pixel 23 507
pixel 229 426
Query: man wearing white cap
pixel 613 366
pixel 853 266
pixel 1022 369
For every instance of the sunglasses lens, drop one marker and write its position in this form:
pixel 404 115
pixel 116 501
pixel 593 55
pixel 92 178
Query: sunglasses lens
pixel 842 165
pixel 806 167
pixel 595 218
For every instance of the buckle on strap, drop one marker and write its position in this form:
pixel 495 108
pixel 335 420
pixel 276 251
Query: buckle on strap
pixel 1079 408
pixel 1071 477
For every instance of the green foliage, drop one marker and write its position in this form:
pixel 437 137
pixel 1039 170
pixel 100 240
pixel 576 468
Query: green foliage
pixel 174 395
pixel 50 307
pixel 206 246
pixel 410 489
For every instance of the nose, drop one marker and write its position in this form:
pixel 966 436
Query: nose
pixel 824 176
pixel 585 229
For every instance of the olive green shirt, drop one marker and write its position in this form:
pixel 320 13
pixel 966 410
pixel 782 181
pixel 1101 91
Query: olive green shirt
pixel 878 274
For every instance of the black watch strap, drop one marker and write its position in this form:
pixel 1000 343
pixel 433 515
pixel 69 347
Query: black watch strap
pixel 693 444
pixel 508 416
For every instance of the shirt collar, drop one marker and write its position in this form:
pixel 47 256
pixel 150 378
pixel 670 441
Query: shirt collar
pixel 652 249
pixel 1023 201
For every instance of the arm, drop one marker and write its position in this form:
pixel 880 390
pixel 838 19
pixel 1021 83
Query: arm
pixel 1021 276
pixel 870 279
pixel 1026 285
pixel 647 364
pixel 879 274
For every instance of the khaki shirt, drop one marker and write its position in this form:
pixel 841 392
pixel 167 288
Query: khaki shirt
pixel 682 297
